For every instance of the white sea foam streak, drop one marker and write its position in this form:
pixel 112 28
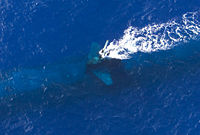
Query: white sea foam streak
pixel 154 37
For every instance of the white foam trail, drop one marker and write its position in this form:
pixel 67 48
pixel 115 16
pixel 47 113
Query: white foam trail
pixel 154 37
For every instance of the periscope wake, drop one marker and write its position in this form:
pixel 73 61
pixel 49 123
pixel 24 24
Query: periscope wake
pixel 154 37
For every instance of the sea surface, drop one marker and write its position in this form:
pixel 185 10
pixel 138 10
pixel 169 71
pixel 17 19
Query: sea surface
pixel 45 88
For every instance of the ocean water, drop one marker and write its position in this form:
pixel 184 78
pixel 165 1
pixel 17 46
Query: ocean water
pixel 153 58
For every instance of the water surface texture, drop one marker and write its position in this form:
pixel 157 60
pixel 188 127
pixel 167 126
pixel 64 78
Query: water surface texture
pixel 149 83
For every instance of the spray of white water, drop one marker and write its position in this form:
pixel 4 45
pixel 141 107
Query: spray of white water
pixel 154 37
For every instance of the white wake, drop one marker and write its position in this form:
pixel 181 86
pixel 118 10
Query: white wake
pixel 154 37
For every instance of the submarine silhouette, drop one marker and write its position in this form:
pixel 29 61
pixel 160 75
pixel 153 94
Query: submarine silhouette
pixel 73 70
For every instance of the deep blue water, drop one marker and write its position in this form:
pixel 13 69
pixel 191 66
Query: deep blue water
pixel 158 93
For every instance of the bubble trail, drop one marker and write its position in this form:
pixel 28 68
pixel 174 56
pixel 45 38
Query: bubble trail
pixel 154 37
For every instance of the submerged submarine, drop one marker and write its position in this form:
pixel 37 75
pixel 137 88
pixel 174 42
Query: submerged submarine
pixel 73 70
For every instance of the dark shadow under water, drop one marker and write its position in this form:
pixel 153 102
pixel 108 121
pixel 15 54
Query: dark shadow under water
pixel 142 72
